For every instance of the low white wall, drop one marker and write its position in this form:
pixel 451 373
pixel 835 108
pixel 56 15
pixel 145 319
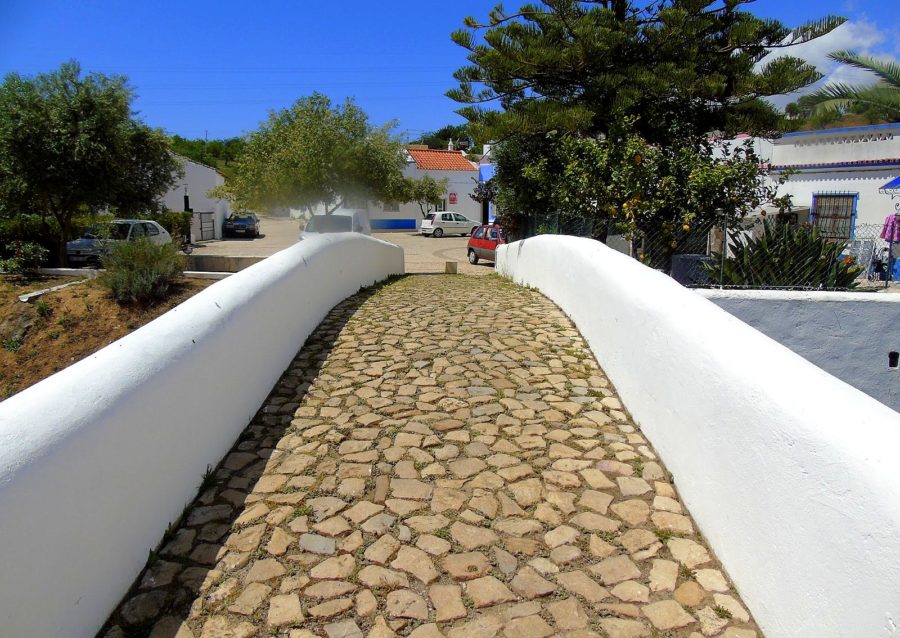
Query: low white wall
pixel 847 334
pixel 97 459
pixel 790 473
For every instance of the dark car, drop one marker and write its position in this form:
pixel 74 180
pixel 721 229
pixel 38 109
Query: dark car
pixel 483 243
pixel 243 225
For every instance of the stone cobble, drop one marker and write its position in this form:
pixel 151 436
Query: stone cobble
pixel 444 457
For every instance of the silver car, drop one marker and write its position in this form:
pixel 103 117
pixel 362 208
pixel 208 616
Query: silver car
pixel 447 223
pixel 90 248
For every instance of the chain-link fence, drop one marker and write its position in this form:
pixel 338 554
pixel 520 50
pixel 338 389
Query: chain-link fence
pixel 775 256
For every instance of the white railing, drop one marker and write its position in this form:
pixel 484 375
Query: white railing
pixel 790 473
pixel 96 460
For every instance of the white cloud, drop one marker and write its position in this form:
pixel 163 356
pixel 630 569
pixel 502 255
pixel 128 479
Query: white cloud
pixel 858 35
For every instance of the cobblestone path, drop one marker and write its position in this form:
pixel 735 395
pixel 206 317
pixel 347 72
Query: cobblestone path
pixel 443 458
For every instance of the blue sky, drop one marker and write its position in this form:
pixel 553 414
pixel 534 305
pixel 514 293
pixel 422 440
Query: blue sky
pixel 217 68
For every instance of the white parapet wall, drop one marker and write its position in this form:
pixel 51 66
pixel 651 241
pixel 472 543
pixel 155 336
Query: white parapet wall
pixel 96 460
pixel 849 334
pixel 790 473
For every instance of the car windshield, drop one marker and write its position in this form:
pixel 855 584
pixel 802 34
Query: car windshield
pixel 243 218
pixel 329 224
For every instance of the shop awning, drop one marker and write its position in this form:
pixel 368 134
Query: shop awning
pixel 891 188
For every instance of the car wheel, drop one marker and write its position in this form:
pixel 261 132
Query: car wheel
pixel 438 232
pixel 473 258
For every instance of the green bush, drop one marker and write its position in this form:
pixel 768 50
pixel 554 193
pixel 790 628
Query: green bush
pixel 24 258
pixel 786 256
pixel 141 271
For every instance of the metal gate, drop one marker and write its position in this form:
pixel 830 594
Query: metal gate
pixel 207 225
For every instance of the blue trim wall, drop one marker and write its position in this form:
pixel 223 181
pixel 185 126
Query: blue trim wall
pixel 840 131
pixel 393 224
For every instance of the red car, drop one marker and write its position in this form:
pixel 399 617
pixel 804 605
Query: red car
pixel 483 243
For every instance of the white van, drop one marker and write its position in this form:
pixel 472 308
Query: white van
pixel 447 223
pixel 340 221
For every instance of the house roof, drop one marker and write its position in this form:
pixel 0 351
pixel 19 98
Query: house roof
pixel 438 160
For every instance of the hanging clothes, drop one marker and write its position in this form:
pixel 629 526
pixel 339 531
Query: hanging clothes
pixel 891 229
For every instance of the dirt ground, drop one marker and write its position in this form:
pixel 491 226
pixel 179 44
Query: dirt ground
pixel 423 254
pixel 45 336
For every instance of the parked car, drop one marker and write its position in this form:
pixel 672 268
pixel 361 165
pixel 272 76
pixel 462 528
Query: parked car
pixel 483 243
pixel 447 223
pixel 94 244
pixel 340 221
pixel 241 225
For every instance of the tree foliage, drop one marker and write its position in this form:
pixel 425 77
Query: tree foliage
pixel 220 154
pixel 586 88
pixel 692 65
pixel 426 191
pixel 441 137
pixel 314 153
pixel 881 99
pixel 69 145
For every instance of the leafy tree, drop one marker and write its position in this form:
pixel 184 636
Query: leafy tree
pixel 585 88
pixel 689 66
pixel 441 137
pixel 69 145
pixel 314 153
pixel 881 99
pixel 220 154
pixel 426 191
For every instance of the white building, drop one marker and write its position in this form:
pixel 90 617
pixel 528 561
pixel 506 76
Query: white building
pixel 191 191
pixel 838 174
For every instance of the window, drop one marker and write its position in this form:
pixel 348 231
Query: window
pixel 391 207
pixel 447 217
pixel 137 231
pixel 459 218
pixel 442 205
pixel 150 229
pixel 492 234
pixel 478 234
pixel 833 214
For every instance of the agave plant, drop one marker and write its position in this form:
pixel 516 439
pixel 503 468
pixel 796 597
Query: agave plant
pixel 786 256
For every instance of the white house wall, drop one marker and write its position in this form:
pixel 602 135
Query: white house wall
pixel 871 208
pixel 198 180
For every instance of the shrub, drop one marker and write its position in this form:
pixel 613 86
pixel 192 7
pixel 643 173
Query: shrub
pixel 141 271
pixel 25 258
pixel 786 256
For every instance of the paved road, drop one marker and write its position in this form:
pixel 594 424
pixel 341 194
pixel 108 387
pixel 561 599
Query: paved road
pixel 409 478
pixel 423 254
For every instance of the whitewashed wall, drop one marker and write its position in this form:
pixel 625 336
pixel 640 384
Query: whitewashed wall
pixel 96 460
pixel 847 334
pixel 198 180
pixel 871 207
pixel 790 473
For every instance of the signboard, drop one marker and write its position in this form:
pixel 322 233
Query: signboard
pixel 452 198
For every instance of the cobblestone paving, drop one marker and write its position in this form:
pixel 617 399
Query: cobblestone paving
pixel 413 475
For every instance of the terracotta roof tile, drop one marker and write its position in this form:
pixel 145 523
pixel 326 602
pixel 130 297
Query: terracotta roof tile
pixel 438 160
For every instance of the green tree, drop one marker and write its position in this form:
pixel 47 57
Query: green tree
pixel 314 154
pixel 881 99
pixel 426 191
pixel 655 79
pixel 69 145
pixel 220 154
pixel 689 66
